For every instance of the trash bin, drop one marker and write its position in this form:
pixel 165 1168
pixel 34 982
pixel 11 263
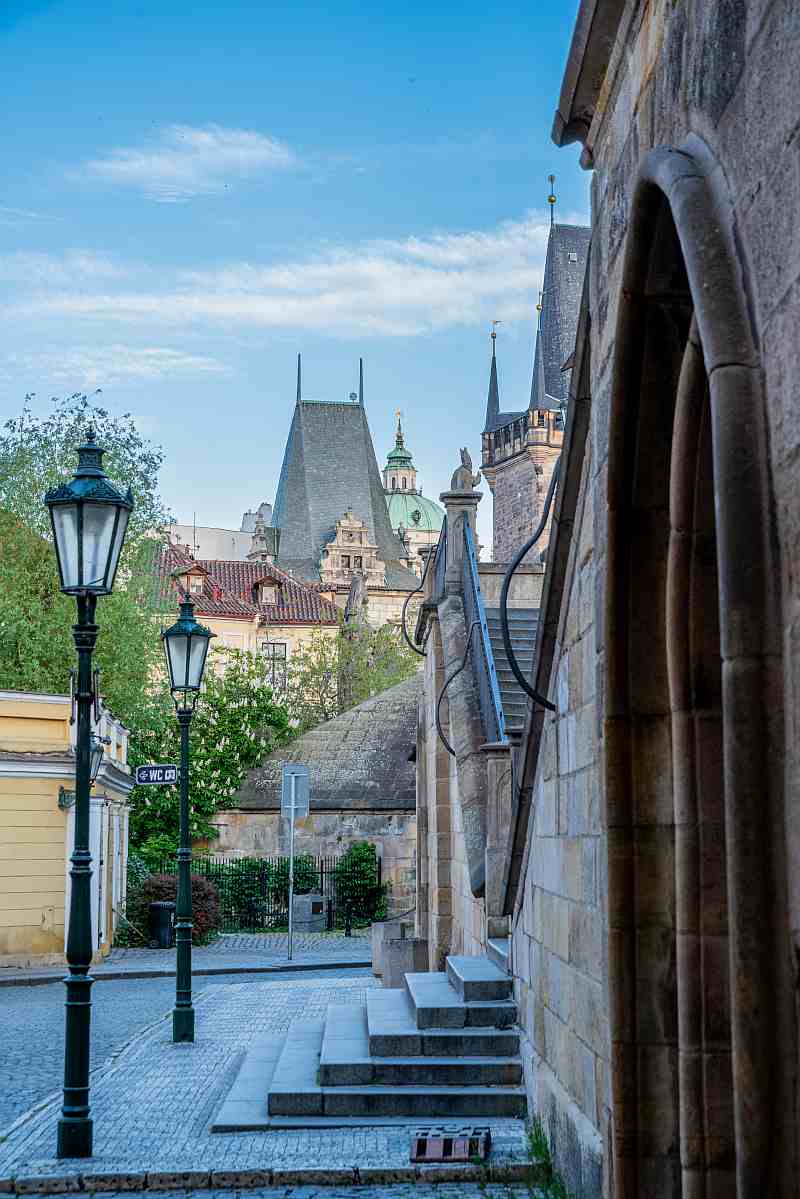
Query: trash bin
pixel 161 919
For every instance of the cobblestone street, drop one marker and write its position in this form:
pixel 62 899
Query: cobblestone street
pixel 32 1029
pixel 152 1100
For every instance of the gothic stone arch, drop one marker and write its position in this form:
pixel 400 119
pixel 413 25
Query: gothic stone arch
pixel 702 1025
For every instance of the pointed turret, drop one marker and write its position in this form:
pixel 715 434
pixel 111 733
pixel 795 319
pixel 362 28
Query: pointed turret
pixel 493 398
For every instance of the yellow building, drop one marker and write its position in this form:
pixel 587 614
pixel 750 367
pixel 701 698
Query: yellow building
pixel 249 605
pixel 37 819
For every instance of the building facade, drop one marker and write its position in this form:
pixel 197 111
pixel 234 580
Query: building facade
pixel 649 824
pixel 37 822
pixel 520 449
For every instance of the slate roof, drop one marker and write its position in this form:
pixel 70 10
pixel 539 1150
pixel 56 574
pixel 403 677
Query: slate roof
pixel 561 299
pixel 329 466
pixel 358 761
pixel 228 590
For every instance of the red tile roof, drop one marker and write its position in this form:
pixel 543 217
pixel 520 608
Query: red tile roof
pixel 228 590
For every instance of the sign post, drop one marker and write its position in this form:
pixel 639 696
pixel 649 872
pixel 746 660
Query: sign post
pixel 161 774
pixel 294 805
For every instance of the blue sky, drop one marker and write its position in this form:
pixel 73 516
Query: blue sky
pixel 193 193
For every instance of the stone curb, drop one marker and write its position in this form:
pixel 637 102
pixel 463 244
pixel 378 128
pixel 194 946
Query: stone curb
pixel 234 1180
pixel 38 980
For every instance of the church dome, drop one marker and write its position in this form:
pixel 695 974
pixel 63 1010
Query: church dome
pixel 414 511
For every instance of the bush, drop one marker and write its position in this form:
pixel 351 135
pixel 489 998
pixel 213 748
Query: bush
pixel 157 887
pixel 157 850
pixel 357 886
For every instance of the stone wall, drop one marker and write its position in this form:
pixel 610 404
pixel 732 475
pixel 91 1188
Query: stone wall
pixel 559 931
pixel 329 834
pixel 519 486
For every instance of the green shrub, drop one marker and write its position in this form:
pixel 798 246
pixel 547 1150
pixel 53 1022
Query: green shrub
pixel 357 886
pixel 158 887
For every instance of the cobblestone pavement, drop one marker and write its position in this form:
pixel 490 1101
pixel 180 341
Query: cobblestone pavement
pixel 152 1104
pixel 231 951
pixel 410 1190
pixel 32 1029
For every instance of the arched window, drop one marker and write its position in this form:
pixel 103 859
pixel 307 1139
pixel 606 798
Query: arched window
pixel 404 484
pixel 394 484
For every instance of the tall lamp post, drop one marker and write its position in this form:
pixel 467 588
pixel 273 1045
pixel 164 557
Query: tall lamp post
pixel 89 516
pixel 186 646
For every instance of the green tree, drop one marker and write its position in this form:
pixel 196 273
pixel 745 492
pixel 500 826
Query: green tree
pixel 327 675
pixel 36 647
pixel 237 722
pixel 37 453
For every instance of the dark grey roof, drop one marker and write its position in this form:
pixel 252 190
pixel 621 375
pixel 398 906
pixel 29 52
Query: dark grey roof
pixel 495 419
pixel 358 761
pixel 561 298
pixel 329 466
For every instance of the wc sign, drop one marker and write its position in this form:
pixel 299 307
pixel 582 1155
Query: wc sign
pixel 157 774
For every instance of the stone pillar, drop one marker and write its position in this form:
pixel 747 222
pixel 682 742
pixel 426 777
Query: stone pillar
pixel 460 506
pixel 499 766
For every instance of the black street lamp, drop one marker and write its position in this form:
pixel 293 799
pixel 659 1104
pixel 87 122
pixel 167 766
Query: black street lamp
pixel 186 646
pixel 89 516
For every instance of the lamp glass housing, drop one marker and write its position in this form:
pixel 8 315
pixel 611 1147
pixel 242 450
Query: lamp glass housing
pixel 96 751
pixel 186 647
pixel 89 516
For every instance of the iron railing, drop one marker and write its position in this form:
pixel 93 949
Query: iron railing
pixel 254 892
pixel 483 668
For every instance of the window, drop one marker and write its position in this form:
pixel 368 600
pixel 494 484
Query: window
pixel 573 257
pixel 268 593
pixel 357 563
pixel 541 419
pixel 345 561
pixel 196 584
pixel 394 484
pixel 404 484
pixel 275 653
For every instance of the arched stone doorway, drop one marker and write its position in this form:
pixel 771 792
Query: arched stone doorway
pixel 702 1027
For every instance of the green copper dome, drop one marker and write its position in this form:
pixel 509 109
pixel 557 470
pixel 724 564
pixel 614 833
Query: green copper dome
pixel 414 511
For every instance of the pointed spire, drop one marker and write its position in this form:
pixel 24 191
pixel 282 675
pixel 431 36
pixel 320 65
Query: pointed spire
pixel 493 399
pixel 551 199
pixel 299 388
pixel 398 437
pixel 361 382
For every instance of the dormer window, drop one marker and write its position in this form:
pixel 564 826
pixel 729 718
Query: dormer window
pixel 268 593
pixel 195 584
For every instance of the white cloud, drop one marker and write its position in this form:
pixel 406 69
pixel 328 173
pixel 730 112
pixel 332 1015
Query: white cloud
pixel 187 161
pixel 51 270
pixel 392 288
pixel 84 366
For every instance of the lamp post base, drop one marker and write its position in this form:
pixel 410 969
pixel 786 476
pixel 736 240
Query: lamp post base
pixel 183 1024
pixel 74 1138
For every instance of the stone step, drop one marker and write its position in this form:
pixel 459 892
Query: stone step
pixel 515 615
pixel 345 1061
pixel 438 1005
pixel 393 1032
pixel 476 978
pixel 295 1089
pixel 497 951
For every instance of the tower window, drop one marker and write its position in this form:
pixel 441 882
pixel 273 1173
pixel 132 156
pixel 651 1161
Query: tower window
pixel 394 484
pixel 404 484
pixel 573 257
pixel 541 419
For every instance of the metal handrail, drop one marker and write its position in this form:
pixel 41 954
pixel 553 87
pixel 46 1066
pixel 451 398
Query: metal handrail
pixel 440 563
pixel 483 666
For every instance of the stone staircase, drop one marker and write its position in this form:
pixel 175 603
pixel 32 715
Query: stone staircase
pixel 522 625
pixel 444 1045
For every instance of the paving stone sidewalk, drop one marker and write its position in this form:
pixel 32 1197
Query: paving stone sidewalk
pixel 153 1103
pixel 229 953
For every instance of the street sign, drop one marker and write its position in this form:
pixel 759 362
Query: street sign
pixel 295 790
pixel 161 775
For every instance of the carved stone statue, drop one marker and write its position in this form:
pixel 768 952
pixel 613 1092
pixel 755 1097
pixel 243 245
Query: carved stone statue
pixel 463 478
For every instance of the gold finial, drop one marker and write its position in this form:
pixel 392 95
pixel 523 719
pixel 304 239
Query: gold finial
pixel 493 334
pixel 551 199
pixel 539 305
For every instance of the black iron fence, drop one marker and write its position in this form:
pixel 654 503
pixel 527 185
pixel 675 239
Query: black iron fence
pixel 254 892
